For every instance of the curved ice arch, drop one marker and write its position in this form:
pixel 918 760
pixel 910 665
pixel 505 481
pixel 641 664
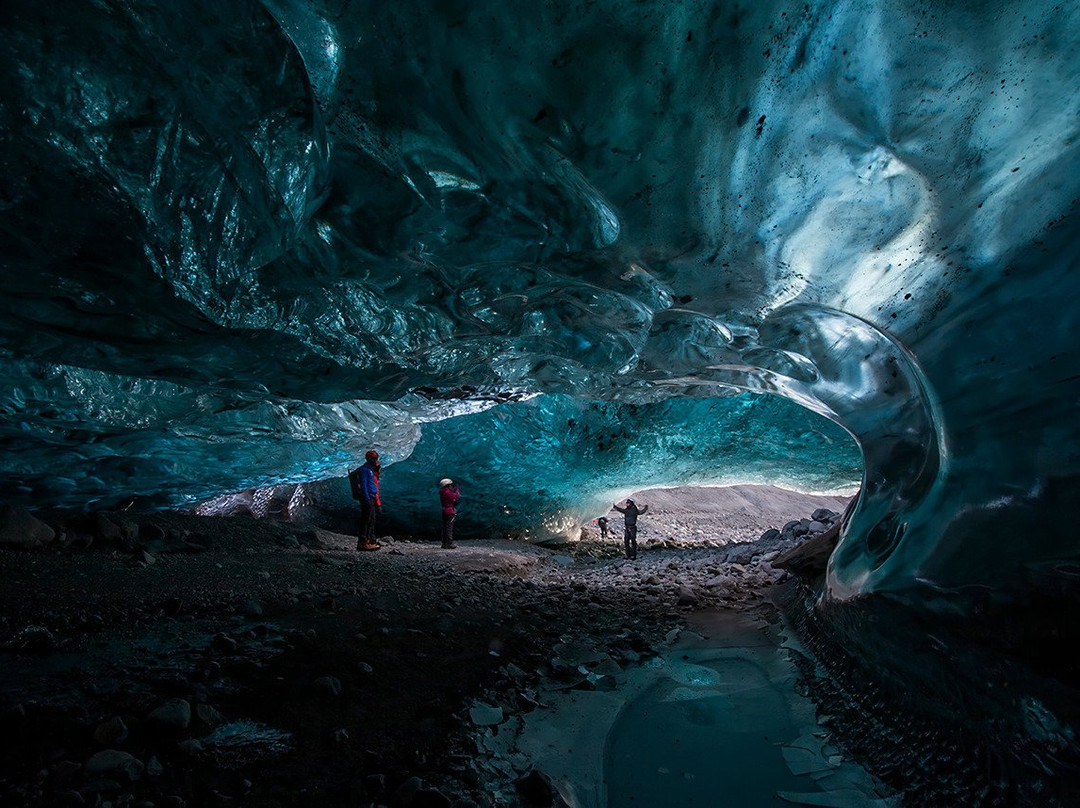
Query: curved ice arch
pixel 851 372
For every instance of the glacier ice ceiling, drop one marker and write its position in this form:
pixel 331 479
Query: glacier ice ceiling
pixel 244 242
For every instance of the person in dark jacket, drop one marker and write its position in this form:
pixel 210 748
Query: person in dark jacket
pixel 449 494
pixel 368 494
pixel 602 524
pixel 630 514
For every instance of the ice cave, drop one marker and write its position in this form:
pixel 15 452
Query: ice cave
pixel 561 252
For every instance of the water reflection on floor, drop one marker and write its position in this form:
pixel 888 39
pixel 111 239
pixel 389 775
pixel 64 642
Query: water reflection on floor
pixel 723 726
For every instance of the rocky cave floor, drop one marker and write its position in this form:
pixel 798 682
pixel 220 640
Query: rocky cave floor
pixel 174 660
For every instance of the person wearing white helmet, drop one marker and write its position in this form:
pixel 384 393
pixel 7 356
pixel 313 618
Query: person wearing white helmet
pixel 449 494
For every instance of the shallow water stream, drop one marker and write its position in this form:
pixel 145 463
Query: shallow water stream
pixel 711 732
pixel 716 721
pixel 724 727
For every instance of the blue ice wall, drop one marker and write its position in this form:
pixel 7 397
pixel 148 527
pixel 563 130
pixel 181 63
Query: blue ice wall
pixel 241 242
pixel 546 466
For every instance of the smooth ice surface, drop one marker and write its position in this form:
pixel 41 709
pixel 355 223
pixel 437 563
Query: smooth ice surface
pixel 243 242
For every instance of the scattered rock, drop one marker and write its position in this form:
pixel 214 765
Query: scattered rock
pixel 405 793
pixel 105 529
pixel 110 732
pixel 485 715
pixel 327 685
pixel 809 559
pixel 20 528
pixel 209 715
pixel 174 713
pixel 115 762
pixel 143 557
pixel 224 644
pixel 32 640
pixel 537 790
pixel 192 747
pixel 149 532
pixel 686 596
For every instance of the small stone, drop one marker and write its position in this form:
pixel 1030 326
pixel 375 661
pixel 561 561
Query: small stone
pixel 191 747
pixel 603 682
pixel 485 715
pixel 143 557
pixel 111 731
pixel 21 528
pixel 327 685
pixel 406 791
pixel 174 713
pixel 65 770
pixel 102 785
pixel 209 715
pixel 224 644
pixel 33 640
pixel 686 596
pixel 536 788
pixel 151 533
pixel 115 762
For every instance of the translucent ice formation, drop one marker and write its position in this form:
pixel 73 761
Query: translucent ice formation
pixel 242 242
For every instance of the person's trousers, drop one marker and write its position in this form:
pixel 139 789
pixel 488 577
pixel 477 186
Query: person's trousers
pixel 630 540
pixel 448 529
pixel 366 533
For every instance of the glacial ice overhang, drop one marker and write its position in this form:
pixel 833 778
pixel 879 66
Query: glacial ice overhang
pixel 243 241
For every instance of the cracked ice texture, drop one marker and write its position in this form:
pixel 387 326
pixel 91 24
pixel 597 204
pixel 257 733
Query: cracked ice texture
pixel 237 240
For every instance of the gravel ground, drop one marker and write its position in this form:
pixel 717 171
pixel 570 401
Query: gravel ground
pixel 201 660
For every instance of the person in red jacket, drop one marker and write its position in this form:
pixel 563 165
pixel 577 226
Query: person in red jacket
pixel 449 494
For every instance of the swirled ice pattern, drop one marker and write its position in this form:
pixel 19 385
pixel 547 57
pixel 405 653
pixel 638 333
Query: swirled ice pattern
pixel 244 241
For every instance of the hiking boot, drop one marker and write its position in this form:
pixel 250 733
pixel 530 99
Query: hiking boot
pixel 369 545
pixel 450 546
